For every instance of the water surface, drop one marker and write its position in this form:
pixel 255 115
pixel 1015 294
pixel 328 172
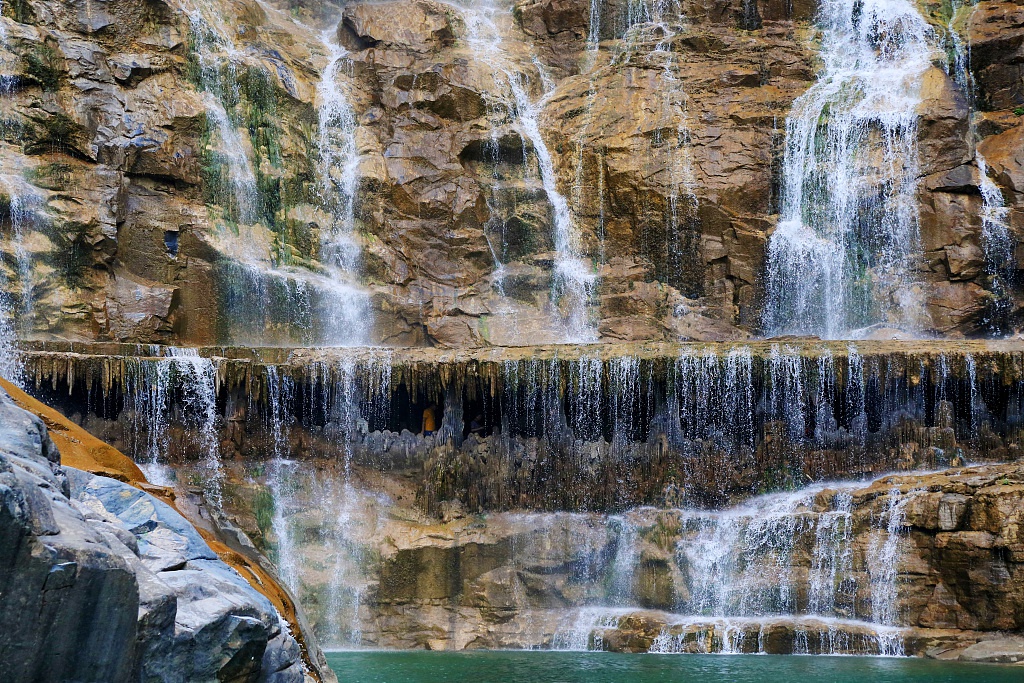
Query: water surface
pixel 601 667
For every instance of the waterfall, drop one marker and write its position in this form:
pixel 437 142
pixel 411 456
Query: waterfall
pixel 883 560
pixel 198 378
pixel 279 299
pixel 26 207
pixel 215 55
pixel 744 569
pixel 16 305
pixel 832 557
pixel 347 314
pixel 998 244
pixel 738 561
pixel 10 364
pixel 844 253
pixel 180 391
pixel 280 478
pixel 625 563
pixel 210 37
pixel 573 278
pixel 783 559
pixel 332 502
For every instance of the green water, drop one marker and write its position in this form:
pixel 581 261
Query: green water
pixel 599 667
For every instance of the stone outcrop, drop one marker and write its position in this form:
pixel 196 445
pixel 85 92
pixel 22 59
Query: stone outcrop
pixel 123 193
pixel 70 598
pixel 119 585
pixel 623 583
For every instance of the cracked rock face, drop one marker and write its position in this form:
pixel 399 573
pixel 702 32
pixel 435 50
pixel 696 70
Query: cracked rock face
pixel 122 587
pixel 664 140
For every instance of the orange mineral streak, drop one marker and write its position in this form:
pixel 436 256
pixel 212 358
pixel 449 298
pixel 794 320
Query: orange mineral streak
pixel 81 450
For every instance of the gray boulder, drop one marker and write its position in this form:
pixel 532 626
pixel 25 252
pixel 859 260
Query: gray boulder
pixel 69 601
pixel 100 581
pixel 1006 650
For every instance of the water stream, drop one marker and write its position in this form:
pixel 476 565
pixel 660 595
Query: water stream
pixel 346 316
pixel 282 301
pixel 573 277
pixel 178 391
pixel 845 252
pixel 997 242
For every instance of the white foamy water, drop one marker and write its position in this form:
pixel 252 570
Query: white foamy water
pixel 845 252
pixel 346 315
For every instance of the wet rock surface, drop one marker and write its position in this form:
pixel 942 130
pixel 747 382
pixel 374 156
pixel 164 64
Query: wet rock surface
pixel 601 428
pixel 632 582
pixel 123 190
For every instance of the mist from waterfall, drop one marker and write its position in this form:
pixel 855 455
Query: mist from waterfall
pixel 845 252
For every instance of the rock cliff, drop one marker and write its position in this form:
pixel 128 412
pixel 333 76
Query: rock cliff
pixel 178 171
pixel 907 564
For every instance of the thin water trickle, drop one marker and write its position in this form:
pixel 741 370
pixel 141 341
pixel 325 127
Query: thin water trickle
pixel 573 276
pixel 345 316
pixel 179 390
pixel 997 241
pixel 998 244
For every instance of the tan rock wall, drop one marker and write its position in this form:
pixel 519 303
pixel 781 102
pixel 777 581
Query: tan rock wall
pixel 666 144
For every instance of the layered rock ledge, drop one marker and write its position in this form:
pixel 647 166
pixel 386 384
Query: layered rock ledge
pixel 601 427
pixel 922 564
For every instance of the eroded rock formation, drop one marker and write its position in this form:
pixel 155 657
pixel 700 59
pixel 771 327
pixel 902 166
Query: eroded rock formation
pixel 807 571
pixel 160 164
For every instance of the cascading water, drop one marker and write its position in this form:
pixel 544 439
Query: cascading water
pixel 782 559
pixel 280 395
pixel 180 390
pixel 998 244
pixel 345 517
pixel 883 560
pixel 281 299
pixel 996 239
pixel 215 53
pixel 844 254
pixel 10 366
pixel 16 298
pixel 346 314
pixel 573 278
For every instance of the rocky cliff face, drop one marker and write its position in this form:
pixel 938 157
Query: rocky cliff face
pixel 165 167
pixel 103 582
